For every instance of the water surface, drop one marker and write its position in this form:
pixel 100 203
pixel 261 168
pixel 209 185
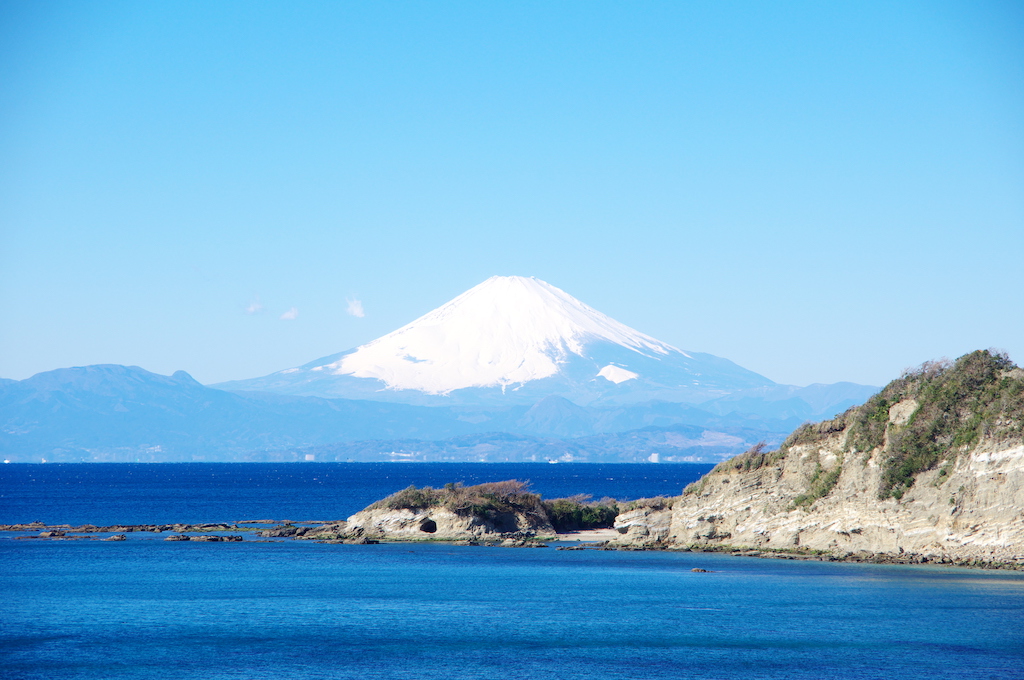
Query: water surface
pixel 300 610
pixel 159 493
pixel 149 609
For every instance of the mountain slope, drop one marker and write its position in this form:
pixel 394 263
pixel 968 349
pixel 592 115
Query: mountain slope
pixel 513 340
pixel 512 355
pixel 112 412
pixel 124 413
pixel 505 332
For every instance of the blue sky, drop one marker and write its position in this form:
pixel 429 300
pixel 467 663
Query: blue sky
pixel 817 191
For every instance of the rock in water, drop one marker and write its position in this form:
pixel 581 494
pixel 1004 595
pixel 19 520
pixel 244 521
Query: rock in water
pixel 456 512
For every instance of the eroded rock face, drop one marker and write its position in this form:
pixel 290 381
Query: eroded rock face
pixel 644 527
pixel 327 532
pixel 439 523
pixel 973 510
pixel 929 469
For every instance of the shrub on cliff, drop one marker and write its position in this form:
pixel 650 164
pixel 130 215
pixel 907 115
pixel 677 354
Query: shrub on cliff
pixel 481 499
pixel 821 485
pixel 653 503
pixel 751 459
pixel 576 513
pixel 980 395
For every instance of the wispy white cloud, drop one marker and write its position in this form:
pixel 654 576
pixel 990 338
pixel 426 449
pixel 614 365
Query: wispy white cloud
pixel 292 313
pixel 355 307
pixel 254 306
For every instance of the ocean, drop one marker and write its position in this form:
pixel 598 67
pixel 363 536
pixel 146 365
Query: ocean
pixel 147 493
pixel 146 608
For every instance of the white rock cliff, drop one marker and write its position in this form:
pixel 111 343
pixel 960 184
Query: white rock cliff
pixel 942 481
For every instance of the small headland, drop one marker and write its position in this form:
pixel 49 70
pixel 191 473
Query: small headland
pixel 504 511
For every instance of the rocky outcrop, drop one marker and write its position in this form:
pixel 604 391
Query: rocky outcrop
pixel 119 528
pixel 929 470
pixel 975 511
pixel 504 510
pixel 325 532
pixel 440 523
pixel 644 523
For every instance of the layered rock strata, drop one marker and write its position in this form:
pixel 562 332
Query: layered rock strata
pixel 439 523
pixel 504 510
pixel 646 525
pixel 973 512
pixel 929 470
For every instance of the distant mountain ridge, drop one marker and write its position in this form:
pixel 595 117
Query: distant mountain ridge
pixel 674 444
pixel 125 413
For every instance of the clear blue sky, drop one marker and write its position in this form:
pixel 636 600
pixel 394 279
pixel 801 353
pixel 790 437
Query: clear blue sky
pixel 817 191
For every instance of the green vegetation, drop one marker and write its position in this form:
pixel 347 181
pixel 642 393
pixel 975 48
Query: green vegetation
pixel 512 496
pixel 821 485
pixel 753 458
pixel 482 499
pixel 868 422
pixel 980 395
pixel 655 503
pixel 958 404
pixel 579 512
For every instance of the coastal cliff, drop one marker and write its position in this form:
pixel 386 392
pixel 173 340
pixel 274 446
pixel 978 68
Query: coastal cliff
pixel 930 469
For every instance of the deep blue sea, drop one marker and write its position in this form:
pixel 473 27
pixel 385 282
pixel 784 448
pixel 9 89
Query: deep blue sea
pixel 141 493
pixel 146 608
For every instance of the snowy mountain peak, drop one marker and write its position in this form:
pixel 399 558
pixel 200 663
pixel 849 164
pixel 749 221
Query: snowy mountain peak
pixel 507 331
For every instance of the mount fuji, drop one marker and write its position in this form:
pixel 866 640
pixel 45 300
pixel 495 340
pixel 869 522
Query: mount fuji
pixel 511 370
pixel 514 340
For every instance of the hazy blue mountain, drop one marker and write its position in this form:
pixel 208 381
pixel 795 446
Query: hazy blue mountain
pixel 680 443
pixel 124 413
pixel 512 369
pixel 112 412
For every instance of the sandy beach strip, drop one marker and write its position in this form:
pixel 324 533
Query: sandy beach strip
pixel 590 535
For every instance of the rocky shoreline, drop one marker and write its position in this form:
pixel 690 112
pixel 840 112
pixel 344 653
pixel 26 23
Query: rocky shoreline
pixel 337 533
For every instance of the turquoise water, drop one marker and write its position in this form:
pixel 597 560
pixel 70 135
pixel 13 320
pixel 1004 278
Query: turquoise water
pixel 154 609
pixel 148 609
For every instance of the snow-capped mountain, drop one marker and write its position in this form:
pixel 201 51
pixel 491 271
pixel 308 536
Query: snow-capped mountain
pixel 505 367
pixel 513 339
pixel 505 332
